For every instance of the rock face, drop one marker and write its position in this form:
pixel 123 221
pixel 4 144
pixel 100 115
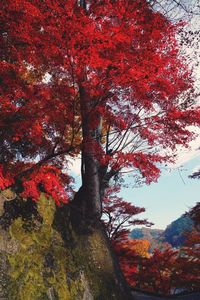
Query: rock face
pixel 43 258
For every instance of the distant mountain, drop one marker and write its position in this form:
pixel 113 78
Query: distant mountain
pixel 174 234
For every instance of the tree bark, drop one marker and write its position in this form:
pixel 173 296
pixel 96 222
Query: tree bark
pixel 88 198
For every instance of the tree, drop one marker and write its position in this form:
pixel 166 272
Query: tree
pixel 124 104
pixel 119 215
pixel 169 271
pixel 188 261
pixel 102 79
pixel 165 271
pixel 131 254
pixel 156 272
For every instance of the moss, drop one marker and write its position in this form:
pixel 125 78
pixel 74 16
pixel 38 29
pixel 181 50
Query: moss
pixel 4 278
pixel 91 261
pixel 99 267
pixel 39 268
pixel 46 265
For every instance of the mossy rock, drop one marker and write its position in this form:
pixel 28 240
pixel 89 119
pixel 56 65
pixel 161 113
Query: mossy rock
pixel 42 263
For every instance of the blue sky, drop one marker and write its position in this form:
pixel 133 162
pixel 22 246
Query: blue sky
pixel 170 197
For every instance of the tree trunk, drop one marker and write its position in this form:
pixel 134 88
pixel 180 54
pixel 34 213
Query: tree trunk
pixel 44 257
pixel 92 256
pixel 88 198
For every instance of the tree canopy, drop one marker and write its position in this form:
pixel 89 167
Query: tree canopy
pixel 103 79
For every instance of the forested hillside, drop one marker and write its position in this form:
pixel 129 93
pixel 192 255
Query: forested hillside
pixel 174 234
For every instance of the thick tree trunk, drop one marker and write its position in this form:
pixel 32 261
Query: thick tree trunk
pixel 87 239
pixel 89 196
pixel 44 257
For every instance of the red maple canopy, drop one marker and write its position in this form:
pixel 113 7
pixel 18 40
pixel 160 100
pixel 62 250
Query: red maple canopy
pixel 106 81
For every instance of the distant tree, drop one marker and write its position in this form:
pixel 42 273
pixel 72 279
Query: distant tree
pixel 130 254
pixel 155 273
pixel 188 263
pixel 167 271
pixel 118 217
pixel 154 236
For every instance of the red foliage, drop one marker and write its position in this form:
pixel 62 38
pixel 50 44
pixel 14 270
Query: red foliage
pixel 130 254
pixel 119 215
pixel 5 179
pixel 123 57
pixel 48 180
pixel 164 271
pixel 155 274
pixel 188 274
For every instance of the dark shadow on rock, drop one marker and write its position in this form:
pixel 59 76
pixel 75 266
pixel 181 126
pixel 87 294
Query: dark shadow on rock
pixel 18 208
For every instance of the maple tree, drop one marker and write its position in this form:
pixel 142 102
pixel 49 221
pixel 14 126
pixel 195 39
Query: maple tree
pixel 155 273
pixel 119 215
pixel 164 271
pixel 130 254
pixel 118 218
pixel 150 272
pixel 100 78
pixel 170 270
pixel 188 262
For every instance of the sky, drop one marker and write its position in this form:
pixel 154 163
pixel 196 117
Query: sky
pixel 170 197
